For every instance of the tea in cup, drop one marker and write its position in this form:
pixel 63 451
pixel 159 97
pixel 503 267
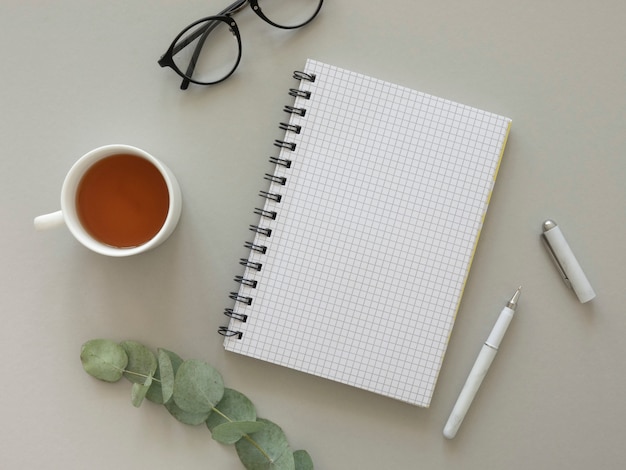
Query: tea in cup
pixel 118 200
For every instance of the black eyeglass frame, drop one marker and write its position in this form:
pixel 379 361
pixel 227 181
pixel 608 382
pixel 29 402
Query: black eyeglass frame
pixel 167 59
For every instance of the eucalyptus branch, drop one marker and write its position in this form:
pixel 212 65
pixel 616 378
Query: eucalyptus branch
pixel 194 393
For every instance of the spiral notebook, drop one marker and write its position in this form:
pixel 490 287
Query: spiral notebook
pixel 363 244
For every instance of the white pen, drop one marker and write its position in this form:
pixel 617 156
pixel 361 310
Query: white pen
pixel 481 366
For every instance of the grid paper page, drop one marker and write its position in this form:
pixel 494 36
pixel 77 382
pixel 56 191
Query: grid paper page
pixel 375 231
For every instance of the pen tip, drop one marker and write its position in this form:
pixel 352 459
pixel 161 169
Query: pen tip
pixel 513 302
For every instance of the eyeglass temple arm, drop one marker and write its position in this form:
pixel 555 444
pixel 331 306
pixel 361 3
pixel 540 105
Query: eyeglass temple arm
pixel 204 32
pixel 196 53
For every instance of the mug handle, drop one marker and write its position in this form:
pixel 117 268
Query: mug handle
pixel 46 221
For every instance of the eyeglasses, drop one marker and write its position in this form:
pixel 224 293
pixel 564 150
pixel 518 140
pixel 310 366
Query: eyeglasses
pixel 204 62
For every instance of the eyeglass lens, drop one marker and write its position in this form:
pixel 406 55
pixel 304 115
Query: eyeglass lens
pixel 289 13
pixel 210 51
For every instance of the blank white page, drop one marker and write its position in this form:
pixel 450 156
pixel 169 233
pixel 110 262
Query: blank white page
pixel 376 227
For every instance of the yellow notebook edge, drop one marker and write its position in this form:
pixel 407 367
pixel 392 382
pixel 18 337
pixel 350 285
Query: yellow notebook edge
pixel 469 266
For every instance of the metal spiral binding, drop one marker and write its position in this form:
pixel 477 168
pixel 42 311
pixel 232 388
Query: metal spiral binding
pixel 240 298
pixel 258 248
pixel 281 161
pixel 290 127
pixel 304 76
pixel 276 179
pixel 267 214
pixel 299 93
pixel 229 312
pixel 246 282
pixel 225 331
pixel 272 196
pixel 286 145
pixel 264 213
pixel 294 110
pixel 250 264
pixel 262 230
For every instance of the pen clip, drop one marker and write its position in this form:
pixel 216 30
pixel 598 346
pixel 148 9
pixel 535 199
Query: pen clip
pixel 557 263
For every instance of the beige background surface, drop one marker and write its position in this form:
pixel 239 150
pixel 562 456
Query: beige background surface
pixel 78 74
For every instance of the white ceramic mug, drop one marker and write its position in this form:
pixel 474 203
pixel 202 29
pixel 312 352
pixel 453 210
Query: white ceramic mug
pixel 69 213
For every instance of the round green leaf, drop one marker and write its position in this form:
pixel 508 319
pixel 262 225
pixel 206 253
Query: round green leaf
pixel 162 387
pixel 198 387
pixel 303 460
pixel 186 417
pixel 166 374
pixel 103 359
pixel 229 433
pixel 234 406
pixel 142 362
pixel 138 392
pixel 276 453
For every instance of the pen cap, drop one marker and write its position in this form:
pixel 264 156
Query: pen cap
pixel 569 265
